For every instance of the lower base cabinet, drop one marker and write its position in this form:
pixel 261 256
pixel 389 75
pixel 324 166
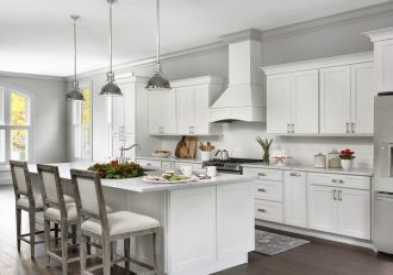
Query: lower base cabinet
pixel 295 199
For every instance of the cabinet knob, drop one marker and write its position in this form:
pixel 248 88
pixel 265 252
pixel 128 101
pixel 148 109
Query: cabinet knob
pixel 262 210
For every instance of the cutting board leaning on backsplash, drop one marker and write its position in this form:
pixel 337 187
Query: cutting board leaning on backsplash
pixel 186 147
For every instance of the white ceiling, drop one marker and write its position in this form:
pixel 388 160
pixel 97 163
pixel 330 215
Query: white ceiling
pixel 36 35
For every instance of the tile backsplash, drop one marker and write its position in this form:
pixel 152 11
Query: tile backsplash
pixel 239 139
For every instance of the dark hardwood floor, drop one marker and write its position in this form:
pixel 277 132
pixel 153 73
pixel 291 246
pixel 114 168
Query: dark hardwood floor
pixel 316 258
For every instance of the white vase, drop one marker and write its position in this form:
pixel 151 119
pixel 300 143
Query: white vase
pixel 346 164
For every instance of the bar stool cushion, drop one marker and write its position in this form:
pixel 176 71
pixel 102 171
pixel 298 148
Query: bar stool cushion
pixel 72 214
pixel 24 201
pixel 121 222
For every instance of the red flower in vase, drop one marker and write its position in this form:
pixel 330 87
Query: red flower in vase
pixel 347 154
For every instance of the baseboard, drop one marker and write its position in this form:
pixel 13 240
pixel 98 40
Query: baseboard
pixel 316 234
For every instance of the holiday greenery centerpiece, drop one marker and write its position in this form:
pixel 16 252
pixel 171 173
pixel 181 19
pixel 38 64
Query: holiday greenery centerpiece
pixel 116 170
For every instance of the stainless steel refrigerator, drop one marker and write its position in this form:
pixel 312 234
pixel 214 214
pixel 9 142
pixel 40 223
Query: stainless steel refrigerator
pixel 383 173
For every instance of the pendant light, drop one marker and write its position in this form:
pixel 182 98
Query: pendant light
pixel 75 93
pixel 110 88
pixel 158 81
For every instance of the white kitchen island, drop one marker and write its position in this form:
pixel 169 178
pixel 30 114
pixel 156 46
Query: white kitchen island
pixel 207 225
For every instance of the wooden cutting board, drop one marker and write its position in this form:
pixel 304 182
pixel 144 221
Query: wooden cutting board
pixel 186 147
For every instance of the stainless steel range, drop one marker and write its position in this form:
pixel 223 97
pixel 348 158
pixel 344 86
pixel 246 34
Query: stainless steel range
pixel 231 165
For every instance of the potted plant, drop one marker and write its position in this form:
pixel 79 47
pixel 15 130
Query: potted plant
pixel 346 157
pixel 265 144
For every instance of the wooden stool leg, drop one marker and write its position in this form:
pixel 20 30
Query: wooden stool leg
pixel 47 241
pixel 83 242
pixel 32 232
pixel 106 255
pixel 18 226
pixel 127 243
pixel 73 233
pixel 64 247
pixel 156 246
pixel 88 246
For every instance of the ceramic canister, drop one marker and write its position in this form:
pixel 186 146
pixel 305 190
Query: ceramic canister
pixel 320 161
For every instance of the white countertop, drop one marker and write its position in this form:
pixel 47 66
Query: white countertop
pixel 170 159
pixel 354 171
pixel 140 186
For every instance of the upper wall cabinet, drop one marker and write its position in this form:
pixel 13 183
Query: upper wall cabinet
pixel 383 58
pixel 347 99
pixel 330 96
pixel 293 103
pixel 184 109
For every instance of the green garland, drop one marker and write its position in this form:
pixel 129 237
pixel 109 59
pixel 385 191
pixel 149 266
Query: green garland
pixel 116 170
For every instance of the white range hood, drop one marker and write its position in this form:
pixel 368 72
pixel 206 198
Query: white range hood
pixel 245 98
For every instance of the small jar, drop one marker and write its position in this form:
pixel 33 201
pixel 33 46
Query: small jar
pixel 334 160
pixel 320 161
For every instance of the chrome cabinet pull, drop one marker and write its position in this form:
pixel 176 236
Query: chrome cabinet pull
pixel 353 127
pixel 262 175
pixel 121 129
pixel 262 210
pixel 261 190
pixel 191 129
pixel 347 127
pixel 122 138
pixel 337 181
pixel 295 174
pixel 293 128
pixel 335 194
pixel 288 130
pixel 340 198
pixel 161 129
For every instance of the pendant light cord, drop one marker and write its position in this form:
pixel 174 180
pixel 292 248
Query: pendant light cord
pixel 110 35
pixel 75 57
pixel 158 33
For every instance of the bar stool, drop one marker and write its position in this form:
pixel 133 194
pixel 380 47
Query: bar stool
pixel 26 200
pixel 97 224
pixel 58 211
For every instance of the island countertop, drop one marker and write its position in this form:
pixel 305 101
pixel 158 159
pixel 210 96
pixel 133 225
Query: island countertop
pixel 140 186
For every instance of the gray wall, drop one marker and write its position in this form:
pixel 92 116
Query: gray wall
pixel 49 116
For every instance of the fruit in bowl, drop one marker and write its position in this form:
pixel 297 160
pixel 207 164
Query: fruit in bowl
pixel 161 153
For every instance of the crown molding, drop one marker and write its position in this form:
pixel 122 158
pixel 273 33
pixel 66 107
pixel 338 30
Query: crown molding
pixel 380 35
pixel 32 76
pixel 364 14
pixel 249 34
pixel 151 60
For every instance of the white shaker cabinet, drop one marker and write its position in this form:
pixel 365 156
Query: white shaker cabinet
pixel 383 58
pixel 335 89
pixel 293 103
pixel 295 198
pixel 123 110
pixel 347 99
pixel 162 112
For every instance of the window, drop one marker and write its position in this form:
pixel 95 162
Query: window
pixel 81 126
pixel 15 126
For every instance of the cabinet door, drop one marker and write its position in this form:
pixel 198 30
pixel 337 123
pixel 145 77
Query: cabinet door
pixel 279 102
pixel 201 109
pixel 362 99
pixel 117 115
pixel 335 100
pixel 235 235
pixel 322 208
pixel 384 65
pixel 295 198
pixel 305 102
pixel 117 142
pixel 185 109
pixel 162 112
pixel 123 110
pixel 354 213
pixel 192 233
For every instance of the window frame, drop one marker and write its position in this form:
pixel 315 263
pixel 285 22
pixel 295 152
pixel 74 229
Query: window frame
pixel 73 126
pixel 6 123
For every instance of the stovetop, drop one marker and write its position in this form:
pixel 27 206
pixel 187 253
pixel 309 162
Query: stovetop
pixel 231 164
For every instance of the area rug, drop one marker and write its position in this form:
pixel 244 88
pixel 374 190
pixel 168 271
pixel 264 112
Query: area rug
pixel 272 243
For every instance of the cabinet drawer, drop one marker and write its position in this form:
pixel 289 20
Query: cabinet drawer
pixel 168 164
pixel 263 174
pixel 268 190
pixel 268 210
pixel 196 166
pixel 356 182
pixel 146 162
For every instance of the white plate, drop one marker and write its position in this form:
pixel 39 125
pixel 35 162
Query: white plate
pixel 146 179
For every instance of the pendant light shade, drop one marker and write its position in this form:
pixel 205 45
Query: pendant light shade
pixel 158 81
pixel 74 93
pixel 110 88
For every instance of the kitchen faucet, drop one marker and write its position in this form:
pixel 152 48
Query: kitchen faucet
pixel 123 149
